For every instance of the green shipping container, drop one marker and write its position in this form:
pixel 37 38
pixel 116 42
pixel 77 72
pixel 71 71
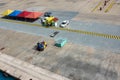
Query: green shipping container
pixel 60 42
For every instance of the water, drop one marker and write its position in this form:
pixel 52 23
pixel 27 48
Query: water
pixel 9 77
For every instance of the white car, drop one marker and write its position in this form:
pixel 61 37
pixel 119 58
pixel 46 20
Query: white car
pixel 64 24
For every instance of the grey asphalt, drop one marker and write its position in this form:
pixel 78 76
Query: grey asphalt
pixel 82 39
pixel 86 26
pixel 61 15
pixel 96 27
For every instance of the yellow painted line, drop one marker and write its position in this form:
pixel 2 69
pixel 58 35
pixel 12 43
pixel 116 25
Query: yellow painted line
pixel 110 6
pixel 70 30
pixel 91 33
pixel 20 22
pixel 97 6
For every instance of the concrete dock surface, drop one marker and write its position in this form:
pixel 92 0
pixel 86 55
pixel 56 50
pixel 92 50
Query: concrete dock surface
pixel 76 62
pixel 26 71
pixel 84 57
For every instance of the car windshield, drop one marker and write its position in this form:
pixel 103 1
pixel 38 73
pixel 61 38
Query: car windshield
pixel 63 22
